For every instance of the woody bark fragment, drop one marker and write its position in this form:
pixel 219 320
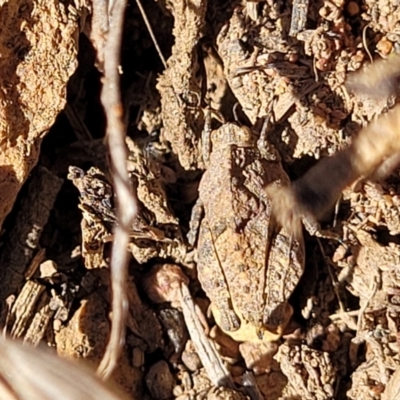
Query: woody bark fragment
pixel 22 243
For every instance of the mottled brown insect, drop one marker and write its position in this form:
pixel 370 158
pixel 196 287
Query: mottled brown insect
pixel 248 268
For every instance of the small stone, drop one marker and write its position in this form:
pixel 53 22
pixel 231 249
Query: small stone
pixel 228 346
pixel 137 357
pixel 48 269
pixel 258 356
pixel 353 8
pixel 384 46
pixel 322 64
pixel 159 381
pixel 190 358
pixel 174 326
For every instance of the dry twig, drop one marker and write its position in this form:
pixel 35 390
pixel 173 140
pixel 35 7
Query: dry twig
pixel 151 33
pixel 365 44
pixel 99 29
pixel 126 199
pixel 210 358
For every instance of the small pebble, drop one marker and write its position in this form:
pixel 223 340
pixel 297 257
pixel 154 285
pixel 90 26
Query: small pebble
pixel 137 357
pixel 190 358
pixel 353 8
pixel 384 46
pixel 159 381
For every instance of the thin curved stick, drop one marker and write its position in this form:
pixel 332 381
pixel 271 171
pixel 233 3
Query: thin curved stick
pixel 365 44
pixel 126 200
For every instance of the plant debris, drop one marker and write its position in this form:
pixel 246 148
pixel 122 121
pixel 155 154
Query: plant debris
pixel 249 181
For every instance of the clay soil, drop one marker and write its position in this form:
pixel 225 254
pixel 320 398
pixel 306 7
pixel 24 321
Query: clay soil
pixel 226 61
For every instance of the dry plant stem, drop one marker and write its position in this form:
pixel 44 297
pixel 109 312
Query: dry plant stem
pixel 118 265
pixel 125 198
pixel 373 289
pixel 100 26
pixel 365 44
pixel 332 276
pixel 151 33
pixel 251 386
pixel 23 308
pixel 209 356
